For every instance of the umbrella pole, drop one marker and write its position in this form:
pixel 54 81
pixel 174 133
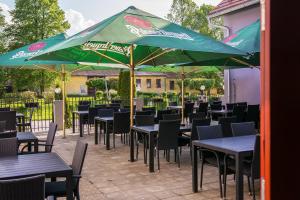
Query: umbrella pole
pixel 182 94
pixel 63 97
pixel 131 104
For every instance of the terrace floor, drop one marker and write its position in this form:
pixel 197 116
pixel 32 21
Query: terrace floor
pixel 109 175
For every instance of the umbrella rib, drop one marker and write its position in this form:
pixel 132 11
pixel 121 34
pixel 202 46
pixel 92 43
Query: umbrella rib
pixel 158 55
pixel 243 62
pixel 80 68
pixel 148 56
pixel 119 62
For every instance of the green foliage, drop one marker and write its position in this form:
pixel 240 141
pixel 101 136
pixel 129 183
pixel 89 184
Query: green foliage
pixel 97 83
pixel 124 85
pixel 189 15
pixel 48 97
pixel 112 84
pixel 28 95
pixel 33 20
pixel 2 25
pixel 197 83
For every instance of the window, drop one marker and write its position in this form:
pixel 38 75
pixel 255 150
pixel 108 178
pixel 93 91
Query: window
pixel 138 84
pixel 172 85
pixel 158 83
pixel 148 83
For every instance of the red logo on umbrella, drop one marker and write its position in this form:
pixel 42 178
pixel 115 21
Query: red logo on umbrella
pixel 229 38
pixel 136 21
pixel 36 46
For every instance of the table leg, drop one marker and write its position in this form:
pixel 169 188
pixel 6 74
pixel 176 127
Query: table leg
pixel 151 152
pixel 73 122
pixel 23 123
pixel 107 135
pixel 195 168
pixel 81 125
pixel 131 145
pixel 69 187
pixel 29 147
pixel 36 146
pixel 239 177
pixel 96 132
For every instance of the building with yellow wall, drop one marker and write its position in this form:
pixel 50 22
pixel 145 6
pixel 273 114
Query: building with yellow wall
pixel 145 81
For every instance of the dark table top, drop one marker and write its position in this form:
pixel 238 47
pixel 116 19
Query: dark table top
pixel 154 128
pixel 19 115
pixel 83 112
pixel 105 119
pixel 26 137
pixel 229 145
pixel 50 164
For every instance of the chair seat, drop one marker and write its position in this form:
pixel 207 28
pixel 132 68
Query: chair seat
pixel 57 188
pixel 183 140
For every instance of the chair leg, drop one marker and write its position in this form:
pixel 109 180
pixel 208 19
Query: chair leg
pixel 201 171
pixel 158 164
pixel 249 185
pixel 113 139
pixel 178 159
pixel 253 189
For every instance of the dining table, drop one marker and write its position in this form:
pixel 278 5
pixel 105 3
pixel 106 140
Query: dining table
pixel 106 121
pixel 239 147
pixel 49 164
pixel 29 138
pixel 151 131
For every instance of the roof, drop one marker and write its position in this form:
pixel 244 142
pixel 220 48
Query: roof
pixel 227 6
pixel 106 73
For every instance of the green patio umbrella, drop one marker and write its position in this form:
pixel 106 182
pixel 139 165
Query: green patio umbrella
pixel 247 40
pixel 17 59
pixel 134 38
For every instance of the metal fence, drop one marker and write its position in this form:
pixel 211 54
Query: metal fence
pixel 42 115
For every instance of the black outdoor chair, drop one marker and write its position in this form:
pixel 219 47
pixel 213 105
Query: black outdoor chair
pixel 84 103
pixel 143 120
pixel 8 147
pixel 124 109
pixel 121 125
pixel 230 106
pixel 148 112
pixel 188 109
pixel 239 112
pixel 243 129
pixel 173 103
pixel 210 157
pixel 27 119
pixel 225 123
pixel 93 112
pixel 199 115
pixel 216 103
pixel 160 114
pixel 171 117
pixel 58 188
pixel 203 107
pixel 104 113
pixel 5 109
pixel 167 138
pixel 152 109
pixel 83 107
pixel 215 116
pixel 48 143
pixel 115 108
pixel 9 117
pixel 114 105
pixel 250 169
pixel 242 104
pixel 29 188
pixel 100 106
pixel 253 115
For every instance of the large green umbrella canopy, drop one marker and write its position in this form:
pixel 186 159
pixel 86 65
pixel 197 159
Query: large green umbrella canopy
pixel 246 39
pixel 155 42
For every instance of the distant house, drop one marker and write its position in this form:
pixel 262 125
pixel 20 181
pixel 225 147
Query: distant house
pixel 145 81
pixel 241 84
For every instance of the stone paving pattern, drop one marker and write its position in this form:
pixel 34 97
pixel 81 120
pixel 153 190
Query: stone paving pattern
pixel 108 175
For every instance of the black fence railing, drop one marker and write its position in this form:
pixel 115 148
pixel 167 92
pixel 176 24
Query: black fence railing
pixel 42 114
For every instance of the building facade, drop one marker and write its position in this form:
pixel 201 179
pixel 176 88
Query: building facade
pixel 240 84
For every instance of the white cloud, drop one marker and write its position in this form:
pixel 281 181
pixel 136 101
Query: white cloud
pixel 77 21
pixel 5 12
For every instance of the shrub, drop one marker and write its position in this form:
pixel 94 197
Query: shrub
pixel 48 97
pixel 27 95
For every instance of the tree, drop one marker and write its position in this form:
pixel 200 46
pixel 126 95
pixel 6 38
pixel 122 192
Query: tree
pixel 124 85
pixel 112 84
pixel 2 25
pixel 189 15
pixel 34 20
pixel 97 83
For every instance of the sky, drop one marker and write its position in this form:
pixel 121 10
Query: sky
pixel 84 13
